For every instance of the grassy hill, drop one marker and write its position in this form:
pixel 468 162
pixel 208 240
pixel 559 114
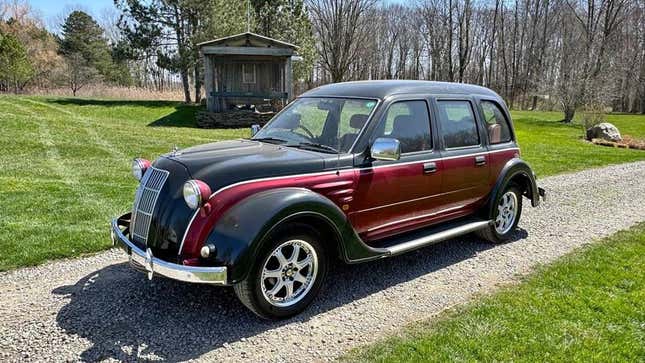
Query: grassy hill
pixel 65 164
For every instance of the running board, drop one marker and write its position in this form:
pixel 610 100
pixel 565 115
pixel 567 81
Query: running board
pixel 414 241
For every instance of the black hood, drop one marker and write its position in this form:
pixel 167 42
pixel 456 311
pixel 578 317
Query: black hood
pixel 218 165
pixel 223 163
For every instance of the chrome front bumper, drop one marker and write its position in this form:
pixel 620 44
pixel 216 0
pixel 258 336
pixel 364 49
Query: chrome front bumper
pixel 146 262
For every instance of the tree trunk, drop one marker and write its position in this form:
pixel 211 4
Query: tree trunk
pixel 569 112
pixel 185 84
pixel 198 84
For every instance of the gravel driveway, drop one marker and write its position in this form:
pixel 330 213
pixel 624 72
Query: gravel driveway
pixel 97 308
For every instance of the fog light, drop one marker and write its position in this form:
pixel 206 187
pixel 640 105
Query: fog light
pixel 207 250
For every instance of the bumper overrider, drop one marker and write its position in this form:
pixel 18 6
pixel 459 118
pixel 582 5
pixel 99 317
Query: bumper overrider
pixel 144 260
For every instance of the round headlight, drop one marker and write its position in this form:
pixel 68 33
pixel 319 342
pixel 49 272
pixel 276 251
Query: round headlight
pixel 196 192
pixel 139 167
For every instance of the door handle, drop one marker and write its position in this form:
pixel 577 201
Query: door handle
pixel 429 168
pixel 480 160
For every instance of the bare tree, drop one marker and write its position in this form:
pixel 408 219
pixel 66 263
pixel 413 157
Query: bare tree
pixel 78 73
pixel 341 26
pixel 589 39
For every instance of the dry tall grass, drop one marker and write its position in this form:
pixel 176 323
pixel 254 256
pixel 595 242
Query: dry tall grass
pixel 111 92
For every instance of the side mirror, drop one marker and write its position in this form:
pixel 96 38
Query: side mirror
pixel 385 148
pixel 255 129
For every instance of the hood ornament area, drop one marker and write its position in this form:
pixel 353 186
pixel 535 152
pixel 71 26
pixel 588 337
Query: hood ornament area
pixel 174 151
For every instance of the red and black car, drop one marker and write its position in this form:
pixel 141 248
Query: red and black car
pixel 356 171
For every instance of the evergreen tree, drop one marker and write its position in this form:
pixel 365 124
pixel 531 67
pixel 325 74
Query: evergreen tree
pixel 169 27
pixel 83 37
pixel 287 20
pixel 15 67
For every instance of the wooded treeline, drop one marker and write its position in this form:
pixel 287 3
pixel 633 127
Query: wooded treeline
pixel 562 54
pixel 545 54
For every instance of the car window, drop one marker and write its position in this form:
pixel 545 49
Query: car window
pixel 409 122
pixel 458 125
pixel 353 117
pixel 332 123
pixel 497 125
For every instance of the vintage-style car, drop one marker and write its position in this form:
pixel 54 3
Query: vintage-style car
pixel 356 171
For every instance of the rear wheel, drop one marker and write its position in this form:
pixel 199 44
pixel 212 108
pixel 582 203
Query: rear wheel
pixel 506 215
pixel 288 275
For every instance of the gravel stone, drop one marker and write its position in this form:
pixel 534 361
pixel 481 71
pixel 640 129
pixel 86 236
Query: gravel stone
pixel 98 308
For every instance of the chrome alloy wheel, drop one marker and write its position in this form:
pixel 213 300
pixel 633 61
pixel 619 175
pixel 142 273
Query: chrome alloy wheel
pixel 506 212
pixel 286 280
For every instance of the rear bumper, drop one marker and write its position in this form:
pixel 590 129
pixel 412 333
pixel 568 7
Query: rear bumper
pixel 144 260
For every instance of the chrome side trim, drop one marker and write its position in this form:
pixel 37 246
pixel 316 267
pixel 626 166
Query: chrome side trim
pixel 183 239
pixel 146 262
pixel 436 237
pixel 351 169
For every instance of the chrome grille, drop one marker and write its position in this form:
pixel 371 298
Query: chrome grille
pixel 144 203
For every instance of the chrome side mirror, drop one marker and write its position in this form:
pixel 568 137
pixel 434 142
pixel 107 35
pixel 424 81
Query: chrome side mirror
pixel 385 148
pixel 255 129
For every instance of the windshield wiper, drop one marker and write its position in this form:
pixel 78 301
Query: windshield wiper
pixel 271 140
pixel 317 146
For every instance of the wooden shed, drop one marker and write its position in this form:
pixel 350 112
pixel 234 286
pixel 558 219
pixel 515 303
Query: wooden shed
pixel 246 68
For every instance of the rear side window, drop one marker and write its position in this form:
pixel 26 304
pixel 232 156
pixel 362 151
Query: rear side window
pixel 497 125
pixel 457 122
pixel 409 122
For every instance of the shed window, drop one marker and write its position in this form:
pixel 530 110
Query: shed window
pixel 248 73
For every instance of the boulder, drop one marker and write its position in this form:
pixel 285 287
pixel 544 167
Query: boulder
pixel 604 131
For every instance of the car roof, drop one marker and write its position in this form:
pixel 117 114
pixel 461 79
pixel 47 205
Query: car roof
pixel 384 88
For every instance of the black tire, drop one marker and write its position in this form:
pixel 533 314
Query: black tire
pixel 250 292
pixel 491 233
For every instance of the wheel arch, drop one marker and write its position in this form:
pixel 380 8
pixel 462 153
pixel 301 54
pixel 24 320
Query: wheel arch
pixel 241 231
pixel 515 171
pixel 330 234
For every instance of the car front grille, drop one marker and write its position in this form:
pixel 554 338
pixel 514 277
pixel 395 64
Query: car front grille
pixel 144 203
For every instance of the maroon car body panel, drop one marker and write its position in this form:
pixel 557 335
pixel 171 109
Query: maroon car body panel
pixel 391 198
pixel 337 186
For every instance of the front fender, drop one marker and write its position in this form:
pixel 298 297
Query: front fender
pixel 239 233
pixel 519 171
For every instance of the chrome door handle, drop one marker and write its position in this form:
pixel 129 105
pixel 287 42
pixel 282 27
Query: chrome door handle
pixel 429 168
pixel 480 160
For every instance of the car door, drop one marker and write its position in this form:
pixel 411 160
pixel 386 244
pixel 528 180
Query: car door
pixel 393 196
pixel 465 181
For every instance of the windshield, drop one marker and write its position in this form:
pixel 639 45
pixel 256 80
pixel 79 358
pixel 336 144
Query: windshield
pixel 323 123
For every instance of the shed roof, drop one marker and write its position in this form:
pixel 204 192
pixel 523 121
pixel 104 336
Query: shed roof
pixel 247 39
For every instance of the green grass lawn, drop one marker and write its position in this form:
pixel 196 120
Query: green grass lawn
pixel 65 164
pixel 586 307
pixel 552 147
pixel 65 169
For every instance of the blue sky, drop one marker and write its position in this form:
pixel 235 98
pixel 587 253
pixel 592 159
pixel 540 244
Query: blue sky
pixel 50 10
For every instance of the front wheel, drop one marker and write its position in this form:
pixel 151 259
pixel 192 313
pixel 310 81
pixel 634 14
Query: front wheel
pixel 508 209
pixel 288 275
